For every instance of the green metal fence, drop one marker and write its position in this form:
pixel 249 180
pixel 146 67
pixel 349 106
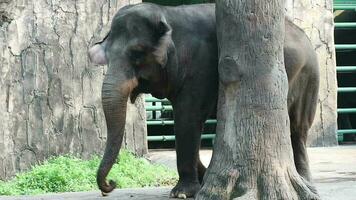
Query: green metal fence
pixel 160 106
pixel 344 5
pixel 347 6
pixel 158 109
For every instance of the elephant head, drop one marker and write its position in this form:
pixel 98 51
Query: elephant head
pixel 135 49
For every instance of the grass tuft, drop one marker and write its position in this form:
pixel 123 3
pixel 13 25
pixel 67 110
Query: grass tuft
pixel 70 174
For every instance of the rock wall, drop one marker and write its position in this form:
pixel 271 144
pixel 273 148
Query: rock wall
pixel 315 17
pixel 49 91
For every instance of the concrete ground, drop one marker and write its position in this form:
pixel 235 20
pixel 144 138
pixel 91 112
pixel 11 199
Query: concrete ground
pixel 333 170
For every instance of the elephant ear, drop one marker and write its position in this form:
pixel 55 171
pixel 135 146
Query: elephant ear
pixel 164 42
pixel 97 52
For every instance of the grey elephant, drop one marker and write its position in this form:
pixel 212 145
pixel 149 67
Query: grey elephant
pixel 172 52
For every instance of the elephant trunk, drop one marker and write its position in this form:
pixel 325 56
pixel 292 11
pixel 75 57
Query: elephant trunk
pixel 115 93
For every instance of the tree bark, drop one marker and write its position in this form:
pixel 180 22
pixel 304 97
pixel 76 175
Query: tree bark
pixel 49 91
pixel 252 157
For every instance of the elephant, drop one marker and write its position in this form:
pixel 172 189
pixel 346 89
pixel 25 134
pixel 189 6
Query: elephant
pixel 172 52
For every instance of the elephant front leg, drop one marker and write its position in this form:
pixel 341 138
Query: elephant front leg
pixel 188 128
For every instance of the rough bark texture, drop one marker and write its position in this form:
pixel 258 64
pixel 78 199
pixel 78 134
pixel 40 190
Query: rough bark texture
pixel 49 91
pixel 252 157
pixel 316 18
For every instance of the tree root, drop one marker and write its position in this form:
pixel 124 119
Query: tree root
pixel 221 188
pixel 289 186
pixel 304 189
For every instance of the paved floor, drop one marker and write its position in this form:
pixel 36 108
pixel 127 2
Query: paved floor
pixel 333 169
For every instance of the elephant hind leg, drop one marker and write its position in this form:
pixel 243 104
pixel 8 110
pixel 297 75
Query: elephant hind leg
pixel 301 113
pixel 300 153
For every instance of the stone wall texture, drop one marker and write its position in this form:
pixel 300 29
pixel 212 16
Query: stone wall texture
pixel 315 17
pixel 49 91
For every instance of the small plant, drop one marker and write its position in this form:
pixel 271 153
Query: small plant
pixel 69 174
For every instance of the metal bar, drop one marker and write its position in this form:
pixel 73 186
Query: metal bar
pixel 342 132
pixel 159 108
pixel 346 89
pixel 162 138
pixel 346 69
pixel 346 131
pixel 171 122
pixel 159 138
pixel 152 99
pixel 345 46
pixel 160 122
pixel 340 138
pixel 207 136
pixel 345 25
pixel 344 7
pixel 346 110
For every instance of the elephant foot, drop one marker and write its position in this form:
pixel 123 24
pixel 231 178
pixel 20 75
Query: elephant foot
pixel 185 189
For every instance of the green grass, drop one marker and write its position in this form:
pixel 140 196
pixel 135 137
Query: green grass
pixel 69 174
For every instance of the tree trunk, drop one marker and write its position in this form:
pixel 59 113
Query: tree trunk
pixel 252 156
pixel 49 91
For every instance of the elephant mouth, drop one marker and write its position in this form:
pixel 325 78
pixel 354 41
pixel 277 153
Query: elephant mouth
pixel 128 86
pixel 142 87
